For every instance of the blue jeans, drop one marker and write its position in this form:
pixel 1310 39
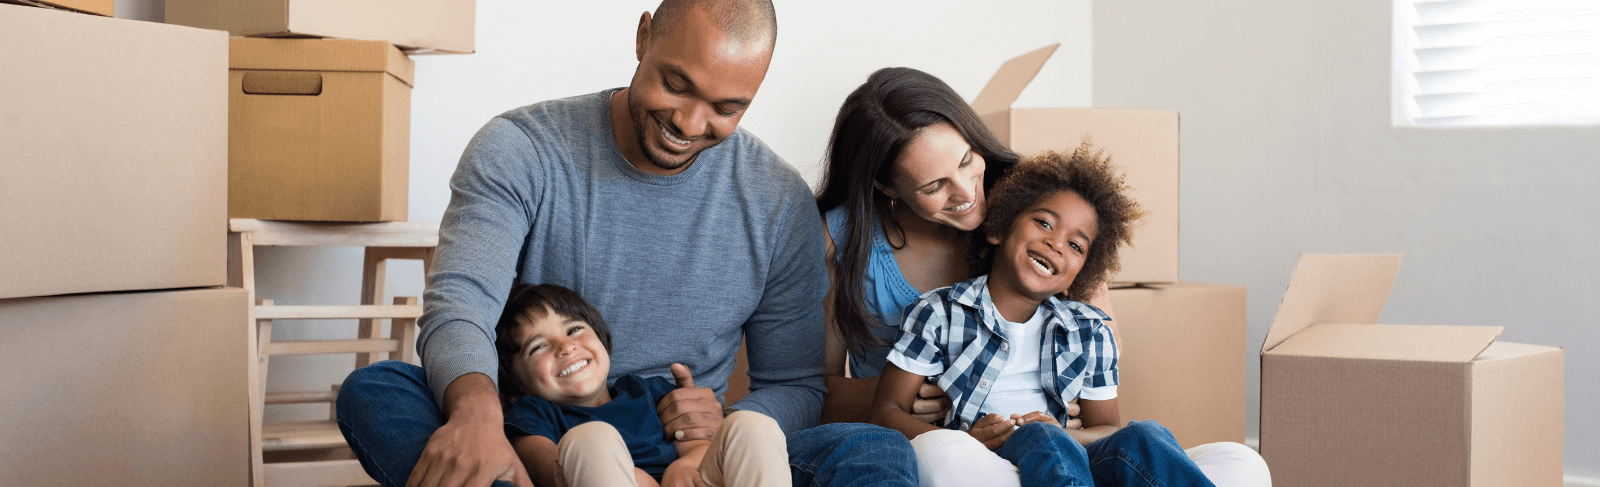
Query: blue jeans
pixel 1045 455
pixel 1143 453
pixel 387 414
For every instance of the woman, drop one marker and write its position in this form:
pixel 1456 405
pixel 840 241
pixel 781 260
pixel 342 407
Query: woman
pixel 909 164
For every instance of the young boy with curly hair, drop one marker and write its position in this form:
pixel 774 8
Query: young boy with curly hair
pixel 570 429
pixel 1011 352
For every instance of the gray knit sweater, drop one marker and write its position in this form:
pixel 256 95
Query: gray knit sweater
pixel 682 267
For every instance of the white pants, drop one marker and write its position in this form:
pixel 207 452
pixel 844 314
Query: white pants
pixel 954 458
pixel 749 449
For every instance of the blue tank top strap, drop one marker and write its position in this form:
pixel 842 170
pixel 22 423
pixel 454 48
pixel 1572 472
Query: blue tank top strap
pixel 886 292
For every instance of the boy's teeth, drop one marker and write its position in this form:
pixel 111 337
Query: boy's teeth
pixel 573 368
pixel 1041 267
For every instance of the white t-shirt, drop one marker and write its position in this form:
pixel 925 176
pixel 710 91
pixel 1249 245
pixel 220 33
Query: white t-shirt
pixel 1017 390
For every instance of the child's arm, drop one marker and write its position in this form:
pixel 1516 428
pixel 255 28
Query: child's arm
pixel 897 389
pixel 538 456
pixel 1100 419
pixel 685 471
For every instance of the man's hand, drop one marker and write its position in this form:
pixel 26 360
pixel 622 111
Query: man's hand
pixel 689 413
pixel 931 403
pixel 471 448
pixel 992 430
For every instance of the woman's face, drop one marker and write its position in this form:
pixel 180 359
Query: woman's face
pixel 940 178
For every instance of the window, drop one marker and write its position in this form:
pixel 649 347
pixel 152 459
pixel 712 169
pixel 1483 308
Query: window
pixel 1496 62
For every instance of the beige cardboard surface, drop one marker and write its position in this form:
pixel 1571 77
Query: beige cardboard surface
pixel 125 389
pixel 1183 359
pixel 1370 404
pixel 97 7
pixel 415 25
pixel 340 154
pixel 1143 143
pixel 115 158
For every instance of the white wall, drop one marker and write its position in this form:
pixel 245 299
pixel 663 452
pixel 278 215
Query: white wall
pixel 1287 148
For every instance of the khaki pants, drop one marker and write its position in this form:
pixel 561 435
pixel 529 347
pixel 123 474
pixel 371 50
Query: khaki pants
pixel 748 450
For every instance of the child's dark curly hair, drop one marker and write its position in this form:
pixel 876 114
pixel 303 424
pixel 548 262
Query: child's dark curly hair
pixel 1087 172
pixel 526 298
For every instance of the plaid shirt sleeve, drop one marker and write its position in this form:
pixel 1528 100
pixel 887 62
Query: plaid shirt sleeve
pixel 1100 379
pixel 920 346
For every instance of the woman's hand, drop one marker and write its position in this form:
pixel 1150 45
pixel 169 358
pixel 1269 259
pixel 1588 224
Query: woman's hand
pixel 1074 416
pixel 931 403
pixel 992 430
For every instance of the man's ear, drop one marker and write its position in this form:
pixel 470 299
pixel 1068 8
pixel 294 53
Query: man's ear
pixel 642 36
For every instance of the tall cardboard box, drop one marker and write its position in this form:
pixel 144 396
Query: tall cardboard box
pixel 414 25
pixel 144 388
pixel 97 7
pixel 1182 359
pixel 320 129
pixel 1347 402
pixel 1143 143
pixel 113 146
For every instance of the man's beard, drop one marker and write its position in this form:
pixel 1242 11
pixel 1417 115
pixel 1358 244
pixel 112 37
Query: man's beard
pixel 637 114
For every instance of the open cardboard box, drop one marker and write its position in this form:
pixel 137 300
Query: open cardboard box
pixel 115 154
pixel 1347 402
pixel 1183 358
pixel 1143 143
pixel 415 25
pixel 319 130
pixel 97 7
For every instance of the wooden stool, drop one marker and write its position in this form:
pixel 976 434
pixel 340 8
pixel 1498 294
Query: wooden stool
pixel 382 242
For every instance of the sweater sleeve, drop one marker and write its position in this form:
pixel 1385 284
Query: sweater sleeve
pixel 480 238
pixel 784 337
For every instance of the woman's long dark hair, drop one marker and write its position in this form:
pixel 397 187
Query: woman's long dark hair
pixel 876 122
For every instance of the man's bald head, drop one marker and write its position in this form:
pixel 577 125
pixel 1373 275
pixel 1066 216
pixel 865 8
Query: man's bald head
pixel 741 20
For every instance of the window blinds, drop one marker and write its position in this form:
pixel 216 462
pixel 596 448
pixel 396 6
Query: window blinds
pixel 1497 62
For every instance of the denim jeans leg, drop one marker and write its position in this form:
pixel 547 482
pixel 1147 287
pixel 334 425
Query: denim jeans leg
pixel 387 414
pixel 851 454
pixel 1143 453
pixel 1046 455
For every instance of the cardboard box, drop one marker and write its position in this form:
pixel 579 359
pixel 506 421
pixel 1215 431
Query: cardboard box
pixel 319 129
pixel 125 389
pixel 414 25
pixel 1144 143
pixel 1183 359
pixel 97 7
pixel 1347 402
pixel 114 153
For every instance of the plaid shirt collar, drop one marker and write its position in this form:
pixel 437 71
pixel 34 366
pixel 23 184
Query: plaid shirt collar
pixel 973 292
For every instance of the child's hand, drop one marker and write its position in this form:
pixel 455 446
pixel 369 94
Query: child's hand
pixel 682 474
pixel 992 430
pixel 1035 417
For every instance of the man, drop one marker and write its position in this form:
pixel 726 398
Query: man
pixel 687 233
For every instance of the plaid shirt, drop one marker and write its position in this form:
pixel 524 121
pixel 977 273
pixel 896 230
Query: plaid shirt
pixel 954 334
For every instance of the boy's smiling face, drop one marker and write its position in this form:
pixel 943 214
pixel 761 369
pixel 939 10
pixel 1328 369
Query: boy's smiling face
pixel 561 359
pixel 1043 249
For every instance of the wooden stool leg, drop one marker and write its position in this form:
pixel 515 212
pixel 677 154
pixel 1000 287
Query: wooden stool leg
pixel 258 390
pixel 373 273
pixel 406 331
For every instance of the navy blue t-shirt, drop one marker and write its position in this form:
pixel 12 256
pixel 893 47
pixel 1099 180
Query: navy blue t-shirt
pixel 632 411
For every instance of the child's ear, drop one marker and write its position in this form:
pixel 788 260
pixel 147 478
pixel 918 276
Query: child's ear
pixel 993 239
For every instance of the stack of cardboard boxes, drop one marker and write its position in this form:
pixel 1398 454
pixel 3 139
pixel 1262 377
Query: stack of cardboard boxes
pixel 1183 343
pixel 121 350
pixel 319 100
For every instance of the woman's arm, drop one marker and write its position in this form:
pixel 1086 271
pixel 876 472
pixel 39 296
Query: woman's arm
pixel 538 456
pixel 849 399
pixel 1100 419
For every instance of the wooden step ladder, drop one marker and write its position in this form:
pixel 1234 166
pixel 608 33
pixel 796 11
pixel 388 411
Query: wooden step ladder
pixel 382 242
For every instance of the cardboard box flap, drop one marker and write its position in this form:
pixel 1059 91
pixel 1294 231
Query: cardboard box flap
pixel 1423 343
pixel 319 55
pixel 1009 81
pixel 1328 288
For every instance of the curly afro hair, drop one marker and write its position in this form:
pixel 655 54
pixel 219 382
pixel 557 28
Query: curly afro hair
pixel 1087 172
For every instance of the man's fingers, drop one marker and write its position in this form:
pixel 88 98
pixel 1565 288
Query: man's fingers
pixel 680 374
pixel 692 434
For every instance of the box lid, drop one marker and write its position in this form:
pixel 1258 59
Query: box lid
pixel 1425 343
pixel 319 55
pixel 1333 289
pixel 1009 81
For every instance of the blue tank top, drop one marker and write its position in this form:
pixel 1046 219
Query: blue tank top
pixel 886 292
